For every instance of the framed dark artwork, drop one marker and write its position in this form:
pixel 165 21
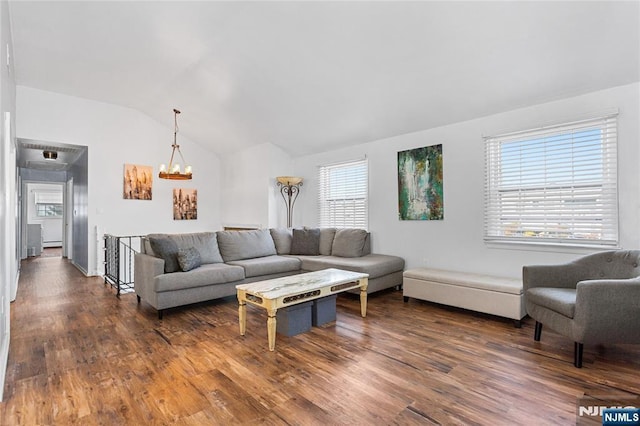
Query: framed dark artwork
pixel 420 190
pixel 185 204
pixel 137 182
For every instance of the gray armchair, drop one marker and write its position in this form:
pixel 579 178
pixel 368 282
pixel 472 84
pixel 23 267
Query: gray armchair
pixel 593 299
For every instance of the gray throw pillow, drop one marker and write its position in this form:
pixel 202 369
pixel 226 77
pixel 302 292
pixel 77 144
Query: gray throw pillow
pixel 189 258
pixel 326 240
pixel 167 250
pixel 282 239
pixel 349 242
pixel 306 242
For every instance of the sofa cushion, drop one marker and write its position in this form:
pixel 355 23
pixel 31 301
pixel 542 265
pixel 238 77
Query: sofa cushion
pixel 376 265
pixel 367 245
pixel 238 245
pixel 167 250
pixel 467 279
pixel 145 247
pixel 267 265
pixel 189 259
pixel 210 274
pixel 282 239
pixel 147 243
pixel 326 240
pixel 560 300
pixel 306 241
pixel 205 242
pixel 349 242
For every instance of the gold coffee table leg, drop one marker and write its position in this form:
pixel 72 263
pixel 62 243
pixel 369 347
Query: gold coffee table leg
pixel 363 297
pixel 271 328
pixel 242 316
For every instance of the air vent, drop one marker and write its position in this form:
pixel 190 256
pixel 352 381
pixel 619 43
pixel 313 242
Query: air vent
pixel 41 147
pixel 47 165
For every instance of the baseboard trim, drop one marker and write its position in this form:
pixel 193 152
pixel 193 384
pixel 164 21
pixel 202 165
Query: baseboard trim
pixel 80 268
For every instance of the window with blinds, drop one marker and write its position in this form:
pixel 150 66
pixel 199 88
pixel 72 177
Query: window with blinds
pixel 555 185
pixel 49 210
pixel 343 195
pixel 48 204
pixel 48 197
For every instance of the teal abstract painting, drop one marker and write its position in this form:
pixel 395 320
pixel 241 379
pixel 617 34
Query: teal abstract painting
pixel 420 191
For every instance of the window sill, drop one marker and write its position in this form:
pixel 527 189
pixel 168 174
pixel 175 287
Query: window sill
pixel 549 247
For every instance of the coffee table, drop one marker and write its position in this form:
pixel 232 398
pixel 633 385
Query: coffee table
pixel 291 290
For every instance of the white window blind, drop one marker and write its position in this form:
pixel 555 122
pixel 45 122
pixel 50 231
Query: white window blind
pixel 343 195
pixel 554 185
pixel 48 197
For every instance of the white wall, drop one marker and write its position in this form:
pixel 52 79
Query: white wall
pixel 248 192
pixel 457 241
pixel 280 164
pixel 9 258
pixel 115 136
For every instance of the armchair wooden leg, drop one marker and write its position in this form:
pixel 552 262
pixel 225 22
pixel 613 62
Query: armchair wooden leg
pixel 538 331
pixel 138 299
pixel 577 354
pixel 160 312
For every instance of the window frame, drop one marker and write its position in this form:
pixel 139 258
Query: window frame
pixel 43 208
pixel 578 206
pixel 354 187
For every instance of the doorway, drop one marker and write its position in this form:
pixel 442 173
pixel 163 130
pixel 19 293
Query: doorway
pixel 44 210
pixel 65 165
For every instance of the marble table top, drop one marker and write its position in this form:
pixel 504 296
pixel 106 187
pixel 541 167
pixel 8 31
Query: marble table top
pixel 284 286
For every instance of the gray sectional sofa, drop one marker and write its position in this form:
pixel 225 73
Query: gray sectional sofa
pixel 179 269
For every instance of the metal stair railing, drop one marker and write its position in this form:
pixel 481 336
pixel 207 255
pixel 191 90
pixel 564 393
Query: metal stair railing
pixel 119 252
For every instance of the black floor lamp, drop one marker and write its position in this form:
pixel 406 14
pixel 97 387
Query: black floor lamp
pixel 289 188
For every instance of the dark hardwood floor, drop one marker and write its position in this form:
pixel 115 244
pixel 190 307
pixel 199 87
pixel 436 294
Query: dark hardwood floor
pixel 80 355
pixel 51 252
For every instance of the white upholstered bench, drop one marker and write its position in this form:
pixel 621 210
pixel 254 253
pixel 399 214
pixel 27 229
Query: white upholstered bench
pixel 482 293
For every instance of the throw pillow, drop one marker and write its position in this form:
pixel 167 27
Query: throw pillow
pixel 326 240
pixel 189 258
pixel 306 242
pixel 349 242
pixel 282 239
pixel 167 250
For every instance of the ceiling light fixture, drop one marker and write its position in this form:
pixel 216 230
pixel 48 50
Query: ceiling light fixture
pixel 50 155
pixel 173 172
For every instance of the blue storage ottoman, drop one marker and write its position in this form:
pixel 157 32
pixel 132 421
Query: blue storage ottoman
pixel 324 310
pixel 294 319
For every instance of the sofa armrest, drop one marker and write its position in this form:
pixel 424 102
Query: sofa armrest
pixel 146 268
pixel 564 275
pixel 608 310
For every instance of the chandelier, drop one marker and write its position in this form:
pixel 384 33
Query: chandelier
pixel 173 171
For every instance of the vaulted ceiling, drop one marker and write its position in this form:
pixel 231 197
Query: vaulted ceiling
pixel 313 76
